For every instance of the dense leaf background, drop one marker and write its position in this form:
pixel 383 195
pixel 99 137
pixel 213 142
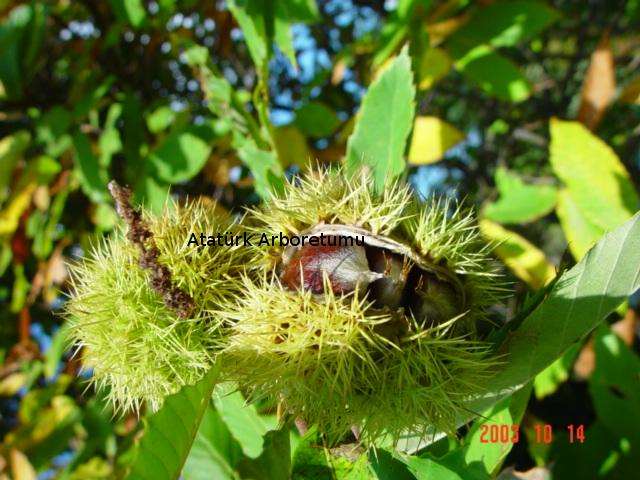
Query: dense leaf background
pixel 528 110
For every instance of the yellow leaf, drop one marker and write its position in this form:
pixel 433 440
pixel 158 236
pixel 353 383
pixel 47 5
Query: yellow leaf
pixel 581 234
pixel 523 258
pixel 12 383
pixel 594 175
pixel 432 137
pixel 599 85
pixel 434 65
pixel 10 215
pixel 21 468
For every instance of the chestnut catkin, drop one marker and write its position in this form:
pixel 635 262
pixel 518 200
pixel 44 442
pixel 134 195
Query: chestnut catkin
pixel 380 337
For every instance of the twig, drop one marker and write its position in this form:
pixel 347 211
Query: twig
pixel 140 235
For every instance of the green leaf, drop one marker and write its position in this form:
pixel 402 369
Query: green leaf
pixel 508 411
pixel 182 154
pixel 615 386
pixel 160 119
pixel 603 455
pixel 595 178
pixel 59 344
pixel 275 461
pixel 387 467
pixel 131 11
pixel 253 29
pixel 383 123
pixel 298 10
pixel 504 24
pixel 317 120
pixel 475 458
pixel 170 432
pixel 495 74
pixel 242 420
pixel 309 458
pixel 51 130
pixel 526 261
pixel 93 177
pixel 284 39
pixel 548 381
pixel 519 202
pixel 264 166
pixel 109 141
pixel 436 468
pixel 21 34
pixel 578 302
pixel 151 192
pixel 214 453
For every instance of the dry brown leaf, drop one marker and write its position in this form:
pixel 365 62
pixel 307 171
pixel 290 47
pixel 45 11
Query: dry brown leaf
pixel 586 361
pixel 631 93
pixel 626 327
pixel 599 86
pixel 438 32
pixel 338 72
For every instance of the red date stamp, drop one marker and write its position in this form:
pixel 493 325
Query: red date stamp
pixel 542 433
pixel 494 433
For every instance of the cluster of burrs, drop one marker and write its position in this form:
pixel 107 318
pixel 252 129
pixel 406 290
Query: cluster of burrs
pixel 373 330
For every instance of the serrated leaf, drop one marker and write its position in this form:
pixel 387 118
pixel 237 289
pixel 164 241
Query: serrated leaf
pixel 383 123
pixel 577 303
pixel 495 74
pixel 581 298
pixel 595 178
pixel 519 202
pixel 523 258
pixel 431 138
pixel 170 432
pixel 580 232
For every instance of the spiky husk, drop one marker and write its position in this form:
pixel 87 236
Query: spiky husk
pixel 139 349
pixel 333 360
pixel 441 231
pixel 335 365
